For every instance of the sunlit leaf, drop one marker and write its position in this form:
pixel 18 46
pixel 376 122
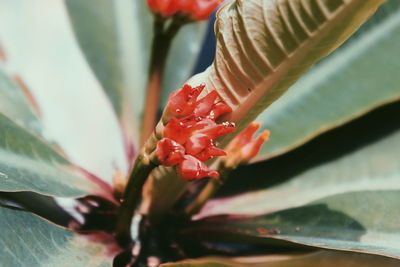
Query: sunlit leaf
pixel 74 110
pixel 322 259
pixel 349 83
pixel 29 164
pixel 263 47
pixel 370 167
pixel 115 37
pixel 362 221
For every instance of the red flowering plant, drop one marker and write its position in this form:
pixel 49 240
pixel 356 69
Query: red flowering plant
pixel 112 155
pixel 194 10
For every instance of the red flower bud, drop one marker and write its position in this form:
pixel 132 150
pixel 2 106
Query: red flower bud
pixel 214 130
pixel 202 147
pixel 180 130
pixel 243 147
pixel 183 101
pixel 251 149
pixel 191 130
pixel 169 152
pixel 204 105
pixel 218 109
pixel 194 9
pixel 199 9
pixel 192 169
pixel 164 7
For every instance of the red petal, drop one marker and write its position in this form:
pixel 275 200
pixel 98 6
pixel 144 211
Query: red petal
pixel 181 130
pixel 192 169
pixel 197 143
pixel 169 153
pixel 201 146
pixel 209 153
pixel 219 109
pixel 183 101
pixel 152 5
pixel 204 105
pixel 246 135
pixel 251 149
pixel 203 8
pixel 217 130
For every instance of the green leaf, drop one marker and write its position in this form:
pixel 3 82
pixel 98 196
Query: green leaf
pixel 29 164
pixel 49 62
pixel 370 167
pixel 115 37
pixel 322 259
pixel 363 221
pixel 353 80
pixel 14 105
pixel 27 240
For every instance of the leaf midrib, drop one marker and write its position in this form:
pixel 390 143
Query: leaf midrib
pixel 298 55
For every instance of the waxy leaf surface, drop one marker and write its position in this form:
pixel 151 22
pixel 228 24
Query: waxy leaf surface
pixel 29 164
pixel 374 166
pixel 263 47
pixel 322 259
pixel 115 37
pixel 27 240
pixel 40 49
pixel 362 221
pixel 350 82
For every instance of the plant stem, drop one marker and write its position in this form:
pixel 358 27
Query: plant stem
pixel 208 191
pixel 159 52
pixel 131 197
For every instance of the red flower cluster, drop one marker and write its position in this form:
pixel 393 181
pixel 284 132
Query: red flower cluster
pixel 191 130
pixel 195 9
pixel 244 147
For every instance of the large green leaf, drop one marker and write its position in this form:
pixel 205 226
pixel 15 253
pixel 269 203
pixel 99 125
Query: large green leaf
pixel 263 47
pixel 349 83
pixel 115 37
pixel 41 49
pixel 29 164
pixel 369 167
pixel 363 221
pixel 27 240
pixel 321 259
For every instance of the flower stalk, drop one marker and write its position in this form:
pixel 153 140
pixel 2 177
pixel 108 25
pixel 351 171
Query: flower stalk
pixel 210 189
pixel 162 39
pixel 132 196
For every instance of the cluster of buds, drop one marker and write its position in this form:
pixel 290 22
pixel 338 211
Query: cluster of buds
pixel 190 131
pixel 193 9
pixel 244 147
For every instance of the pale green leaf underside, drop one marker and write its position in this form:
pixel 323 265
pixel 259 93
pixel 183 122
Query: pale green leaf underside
pixel 263 47
pixel 372 167
pixel 27 240
pixel 40 48
pixel 322 259
pixel 349 83
pixel 29 164
pixel 364 221
pixel 14 105
pixel 115 37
